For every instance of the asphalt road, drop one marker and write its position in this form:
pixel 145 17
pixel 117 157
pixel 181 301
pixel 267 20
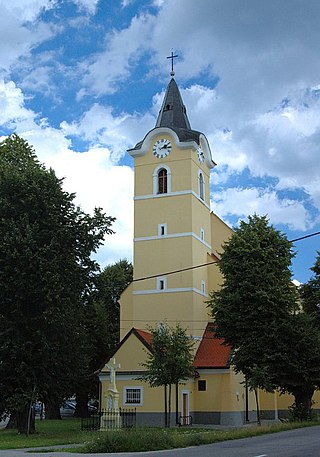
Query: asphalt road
pixel 304 442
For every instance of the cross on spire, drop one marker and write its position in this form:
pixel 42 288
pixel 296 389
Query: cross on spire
pixel 172 57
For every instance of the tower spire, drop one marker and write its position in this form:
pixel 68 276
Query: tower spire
pixel 173 112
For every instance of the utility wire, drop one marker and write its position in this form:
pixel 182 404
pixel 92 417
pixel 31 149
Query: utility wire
pixel 211 263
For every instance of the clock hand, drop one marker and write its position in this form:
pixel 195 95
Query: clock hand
pixel 165 146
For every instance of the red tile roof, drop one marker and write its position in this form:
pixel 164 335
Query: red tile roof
pixel 212 353
pixel 146 336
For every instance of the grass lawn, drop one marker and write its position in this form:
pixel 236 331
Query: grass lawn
pixel 67 431
pixel 147 439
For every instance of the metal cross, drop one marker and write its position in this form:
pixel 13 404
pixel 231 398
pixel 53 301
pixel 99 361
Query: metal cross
pixel 172 57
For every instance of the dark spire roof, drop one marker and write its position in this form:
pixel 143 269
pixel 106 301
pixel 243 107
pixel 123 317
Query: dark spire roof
pixel 173 115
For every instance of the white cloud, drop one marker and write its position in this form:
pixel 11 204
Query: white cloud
pixel 123 49
pixel 243 202
pixel 26 10
pixel 12 109
pixel 93 175
pixel 89 5
pixel 97 182
pixel 17 37
pixel 100 127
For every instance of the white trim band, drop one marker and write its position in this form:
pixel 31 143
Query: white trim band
pixel 173 235
pixel 174 290
pixel 172 194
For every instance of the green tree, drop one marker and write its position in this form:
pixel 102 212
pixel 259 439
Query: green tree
pixel 310 292
pixel 101 328
pixel 46 271
pixel 170 361
pixel 256 312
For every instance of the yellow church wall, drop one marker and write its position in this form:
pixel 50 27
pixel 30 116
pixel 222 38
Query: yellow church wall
pixel 281 402
pixel 130 359
pixel 195 168
pixel 153 397
pixel 224 392
pixel 220 232
pixel 174 211
pixel 215 278
pixel 163 256
pixel 178 163
pixel 172 308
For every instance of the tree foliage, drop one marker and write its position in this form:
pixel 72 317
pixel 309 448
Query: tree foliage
pixel 310 292
pixel 256 311
pixel 101 328
pixel 170 361
pixel 46 273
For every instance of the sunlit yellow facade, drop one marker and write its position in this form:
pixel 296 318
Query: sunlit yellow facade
pixel 177 243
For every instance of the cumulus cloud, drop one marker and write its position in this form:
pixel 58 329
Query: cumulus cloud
pixel 243 202
pixel 88 5
pixel 99 126
pixel 123 48
pixel 13 112
pixel 17 37
pixel 97 182
pixel 93 175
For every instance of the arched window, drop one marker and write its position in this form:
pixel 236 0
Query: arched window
pixel 201 186
pixel 162 181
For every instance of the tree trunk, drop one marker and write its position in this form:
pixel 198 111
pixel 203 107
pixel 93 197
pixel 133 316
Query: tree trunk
pixel 25 422
pixel 52 409
pixel 169 406
pixel 177 403
pixel 247 399
pixel 81 404
pixel 302 409
pixel 258 408
pixel 165 407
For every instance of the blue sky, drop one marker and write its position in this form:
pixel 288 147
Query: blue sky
pixel 83 81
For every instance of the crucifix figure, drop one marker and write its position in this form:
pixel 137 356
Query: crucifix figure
pixel 172 57
pixel 112 365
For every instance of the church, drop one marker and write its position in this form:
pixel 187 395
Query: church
pixel 177 240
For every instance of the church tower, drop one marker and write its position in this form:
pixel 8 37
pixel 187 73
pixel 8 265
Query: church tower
pixel 172 231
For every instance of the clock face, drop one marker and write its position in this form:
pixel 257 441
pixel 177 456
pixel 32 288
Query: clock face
pixel 200 155
pixel 161 148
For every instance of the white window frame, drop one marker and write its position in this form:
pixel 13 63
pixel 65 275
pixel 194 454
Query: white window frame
pixel 162 228
pixel 156 180
pixel 125 397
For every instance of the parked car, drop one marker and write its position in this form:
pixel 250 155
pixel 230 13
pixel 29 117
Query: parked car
pixel 68 408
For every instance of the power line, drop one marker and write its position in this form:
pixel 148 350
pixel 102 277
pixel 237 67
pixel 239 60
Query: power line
pixel 175 271
pixel 211 263
pixel 304 237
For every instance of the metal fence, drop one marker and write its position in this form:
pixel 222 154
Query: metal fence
pixel 110 419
